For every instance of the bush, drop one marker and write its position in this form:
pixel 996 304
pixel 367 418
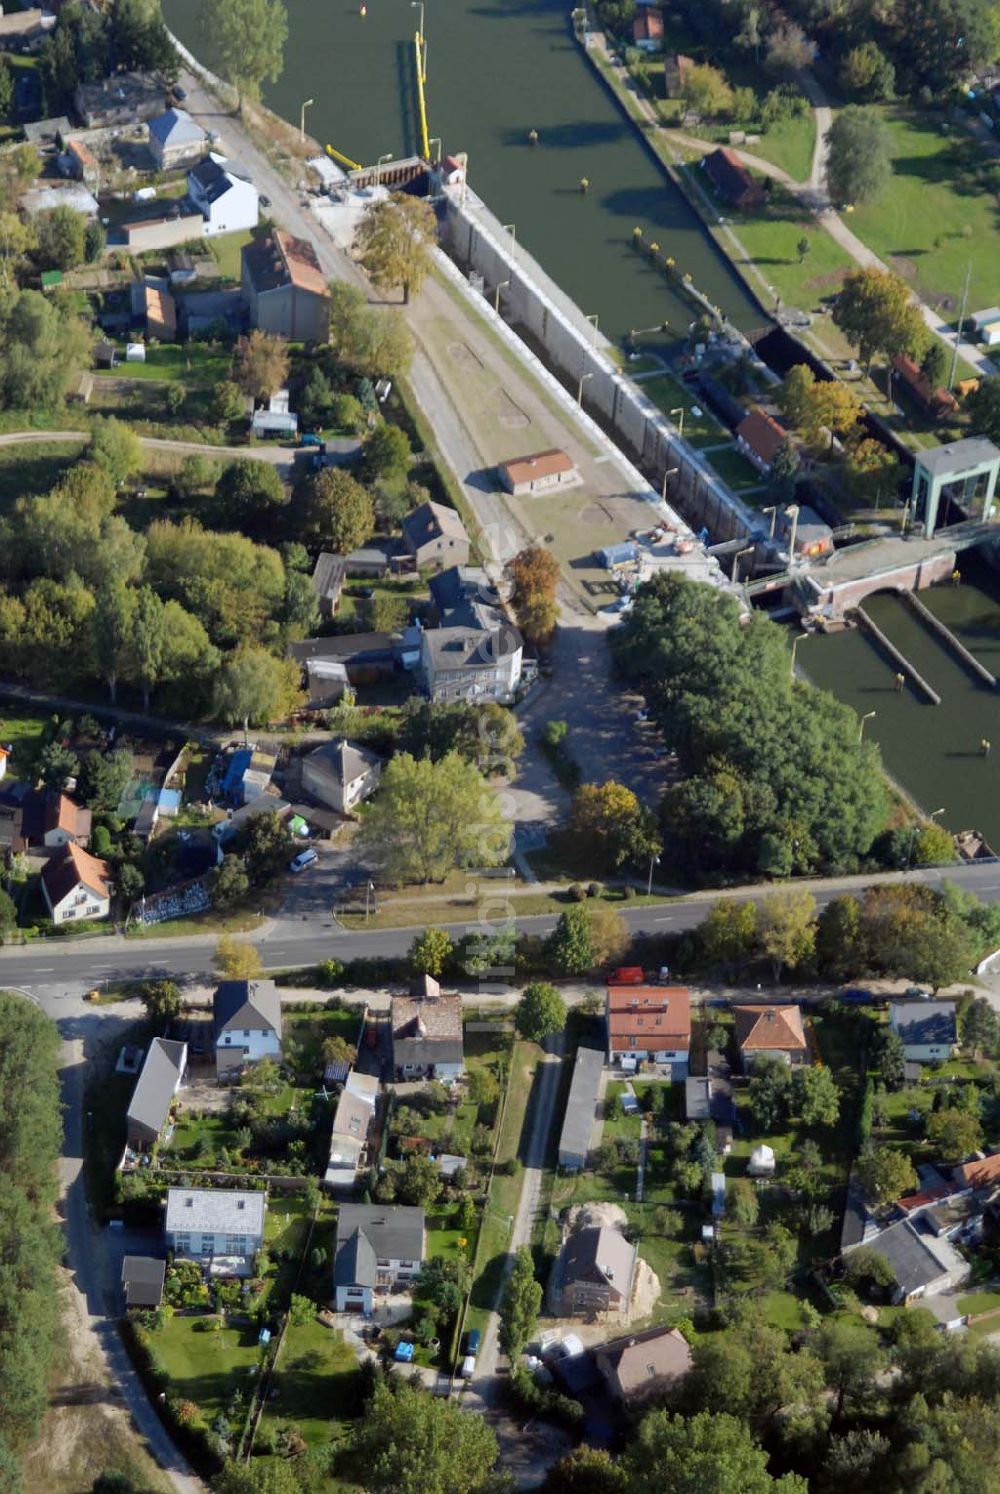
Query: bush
pixel 577 893
pixel 594 889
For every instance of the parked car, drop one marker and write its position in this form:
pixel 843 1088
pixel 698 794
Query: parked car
pixel 472 1341
pixel 180 94
pixel 302 860
pixel 310 439
pixel 857 996
pixel 468 1367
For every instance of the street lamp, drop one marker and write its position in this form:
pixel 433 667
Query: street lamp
pixel 680 424
pixel 579 391
pixel 419 5
pixel 792 512
pixel 306 104
pixel 378 166
pixel 861 728
pixel 436 140
pixel 795 643
pixel 511 228
pixel 773 511
pixel 654 860
pixel 592 317
pixel 737 558
pixel 501 285
pixel 670 472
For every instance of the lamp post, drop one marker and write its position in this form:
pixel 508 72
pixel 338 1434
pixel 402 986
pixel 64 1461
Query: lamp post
pixel 654 860
pixel 419 5
pixel 378 166
pixel 592 317
pixel 795 643
pixel 306 104
pixel 916 826
pixel 579 390
pixel 511 228
pixel 670 472
pixel 436 140
pixel 861 727
pixel 501 285
pixel 680 424
pixel 773 511
pixel 737 558
pixel 792 512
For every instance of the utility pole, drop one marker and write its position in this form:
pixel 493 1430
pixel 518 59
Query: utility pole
pixel 961 324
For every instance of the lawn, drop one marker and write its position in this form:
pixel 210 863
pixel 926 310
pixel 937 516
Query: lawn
pixel 208 1368
pixel 23 735
pixel 977 1302
pixel 196 365
pixel 684 1285
pixel 33 469
pixel 734 468
pixel 789 144
pixel 771 239
pixel 315 1381
pixel 935 217
pixel 670 394
pixel 225 251
pixel 307 1031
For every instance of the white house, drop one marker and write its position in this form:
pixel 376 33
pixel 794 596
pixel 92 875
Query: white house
pixel 460 663
pixel 205 1222
pixel 247 1017
pixel 277 420
pixel 380 1248
pixel 649 1023
pixel 76 886
pixel 928 1029
pixel 175 139
pixel 351 1126
pixel 987 325
pixel 341 775
pixel 226 199
pixel 538 472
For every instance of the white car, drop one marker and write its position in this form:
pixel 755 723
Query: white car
pixel 302 860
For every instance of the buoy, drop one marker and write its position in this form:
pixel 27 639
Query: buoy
pixel 584 185
pixel 532 137
pixel 363 11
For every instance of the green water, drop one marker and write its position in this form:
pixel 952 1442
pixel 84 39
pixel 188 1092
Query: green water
pixel 933 751
pixel 497 69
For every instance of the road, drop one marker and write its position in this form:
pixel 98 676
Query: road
pixel 287 943
pixel 282 457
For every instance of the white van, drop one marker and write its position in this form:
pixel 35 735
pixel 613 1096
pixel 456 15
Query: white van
pixel 468 1366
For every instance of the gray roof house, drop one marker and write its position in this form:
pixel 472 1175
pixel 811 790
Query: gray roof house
pixel 471 663
pixel 341 774
pixel 928 1029
pixel 122 99
pixel 328 581
pixel 175 139
pixel 379 1247
pixel 427 1037
pixel 204 1222
pixel 435 535
pixel 598 1269
pixel 142 1280
pixel 923 1263
pixel 578 1123
pixel 159 1080
pixel 247 1019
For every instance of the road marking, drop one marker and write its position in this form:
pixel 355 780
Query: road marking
pixel 45 970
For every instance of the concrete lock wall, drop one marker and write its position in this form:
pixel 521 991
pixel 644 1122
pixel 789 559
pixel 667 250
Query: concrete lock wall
pixel 531 301
pixel 917 576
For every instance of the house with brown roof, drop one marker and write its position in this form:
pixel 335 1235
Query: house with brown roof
pixel 759 436
pixel 732 181
pixel 981 1175
pixel 161 313
pixel 435 536
pixel 596 1271
pixel 649 1023
pixel 538 473
pixel 79 161
pixel 53 819
pixel 647 29
pixel 76 886
pixel 427 1038
pixel 770 1032
pixel 285 287
pixel 643 1364
pixel 935 401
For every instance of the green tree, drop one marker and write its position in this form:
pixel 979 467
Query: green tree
pixel 866 73
pixel 261 365
pixel 430 817
pixel 44 344
pixel 246 40
pixel 858 165
pixel 933 846
pixel 569 947
pixel 331 510
pixel 60 238
pixel 110 630
pixel 706 91
pixel 8 917
pixel 700 1453
pixel 954 1134
pixel 519 1305
pixel 886 1174
pixel 873 308
pixel 6 88
pixel 853 1360
pixel 228 883
pixel 266 845
pixel 250 497
pixel 115 449
pixel 104 777
pixel 728 934
pixel 410 1442
pixel 146 643
pixel 786 927
pixel 256 687
pixel 889 1055
pixel 419 1182
pixel 540 1012
pixel 228 402
pixel 934 367
pixel 386 453
pixel 769 1093
pixel 394 242
pixel 980 1028
pixel 803 247
pixel 839 944
pixel 585 1470
pixel 56 763
pixel 430 952
pixel 162 1000
pixel 816 1097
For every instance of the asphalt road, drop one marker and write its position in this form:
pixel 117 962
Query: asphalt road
pixel 287 943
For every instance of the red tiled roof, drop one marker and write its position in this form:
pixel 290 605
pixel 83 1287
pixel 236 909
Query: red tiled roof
pixel 983 1173
pixel 72 867
pixel 542 464
pixel 658 1012
pixel 764 1027
pixel 301 263
pixel 648 25
pixel 762 434
pixel 911 375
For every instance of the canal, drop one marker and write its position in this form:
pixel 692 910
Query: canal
pixel 933 751
pixel 496 70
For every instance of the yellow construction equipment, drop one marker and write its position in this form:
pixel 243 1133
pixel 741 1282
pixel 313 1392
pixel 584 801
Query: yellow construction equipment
pixel 421 59
pixel 337 155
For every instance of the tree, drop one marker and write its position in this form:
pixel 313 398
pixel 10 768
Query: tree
pixel 608 821
pixel 728 933
pixel 56 763
pixel 540 1012
pixel 104 777
pixel 162 1000
pixel 839 951
pixel 954 1134
pixel 60 238
pixel 789 50
pixel 858 165
pixel 430 952
pixel 585 1470
pixel 700 1453
pixel 394 242
pixel 261 359
pixel 786 928
pixel 784 469
pixel 410 1442
pixel 256 687
pixel 246 39
pixel 568 947
pixel 519 1305
pixel 386 453
pixel 889 1054
pixel 6 88
pixel 228 402
pixel 419 1183
pixel 934 367
pixel 886 1174
pixel 266 845
pixel 609 933
pixel 706 91
pixel 983 405
pixel 867 74
pixel 980 1028
pixel 430 817
pixel 852 1358
pixel 44 344
pixel 115 449
pixel 816 1096
pixel 534 577
pixel 249 496
pixel 110 630
pixel 369 339
pixel 873 308
pixel 336 1049
pixel 228 883
pixel 803 247
pixel 933 846
pixel 236 961
pixel 8 917
pixel 331 510
pixel 769 1093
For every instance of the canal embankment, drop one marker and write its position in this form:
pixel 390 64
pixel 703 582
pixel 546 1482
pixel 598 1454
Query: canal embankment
pixel 948 638
pixel 896 656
